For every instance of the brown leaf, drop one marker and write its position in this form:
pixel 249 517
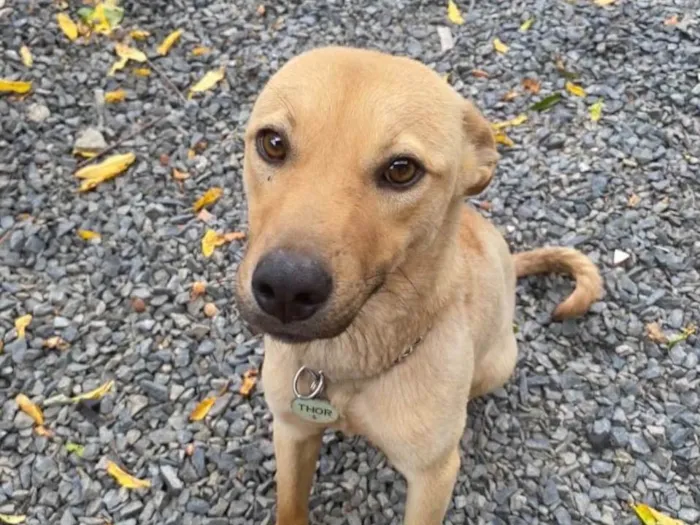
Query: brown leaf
pixel 671 20
pixel 234 236
pixel 29 408
pixel 634 200
pixel 125 479
pixel 210 310
pixel 511 95
pixel 479 73
pixel 138 305
pixel 198 288
pixel 260 10
pixel 532 85
pixel 202 409
pixel 205 216
pixel 655 333
pixel 55 343
pixel 42 431
pixel 180 175
pixel 249 379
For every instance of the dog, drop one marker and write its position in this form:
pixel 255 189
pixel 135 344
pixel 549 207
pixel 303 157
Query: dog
pixel 386 301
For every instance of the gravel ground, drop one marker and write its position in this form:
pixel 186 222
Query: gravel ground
pixel 596 415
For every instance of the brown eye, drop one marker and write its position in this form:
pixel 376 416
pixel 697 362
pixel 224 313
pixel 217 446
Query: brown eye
pixel 271 146
pixel 402 172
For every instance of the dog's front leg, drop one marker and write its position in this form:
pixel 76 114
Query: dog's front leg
pixel 296 452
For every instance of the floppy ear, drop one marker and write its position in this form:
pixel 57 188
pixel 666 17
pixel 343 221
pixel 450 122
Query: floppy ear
pixel 479 152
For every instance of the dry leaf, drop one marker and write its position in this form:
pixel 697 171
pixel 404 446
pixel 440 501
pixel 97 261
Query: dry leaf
pixel 200 50
pixel 88 235
pixel 650 516
pixel 249 379
pixel 30 408
pixel 107 169
pixel 42 431
pixel 142 72
pixel 603 2
pixel 453 13
pixel 233 236
pixel 260 10
pixel 191 154
pixel 499 46
pixel 67 26
pixel 189 449
pixel 501 138
pixel 198 288
pixel 685 334
pixel 115 96
pixel 596 110
pixel 202 409
pixel 26 56
pixel 671 20
pixel 125 479
pixel 205 216
pixel 85 153
pixel 139 34
pixel 511 95
pixel 55 343
pixel 517 121
pixel 169 42
pixel 130 53
pixel 531 85
pixel 180 175
pixel 210 197
pixel 117 66
pixel 210 241
pixel 479 73
pixel 208 81
pixel 14 86
pixel 575 90
pixel 633 200
pixel 210 310
pixel 21 324
pixel 655 333
pixel 527 24
pixel 12 519
pixel 98 393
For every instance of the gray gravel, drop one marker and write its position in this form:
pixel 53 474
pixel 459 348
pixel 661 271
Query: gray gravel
pixel 596 414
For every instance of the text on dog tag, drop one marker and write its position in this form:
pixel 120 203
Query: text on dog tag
pixel 315 410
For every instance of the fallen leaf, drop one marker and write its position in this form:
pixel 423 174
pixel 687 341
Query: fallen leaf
pixel 85 153
pixel 501 138
pixel 95 394
pixel 107 169
pixel 14 86
pixel 142 72
pixel 596 110
pixel 479 73
pixel 671 20
pixel 517 121
pixel 189 449
pixel 205 216
pixel 260 10
pixel 21 324
pixel 499 46
pixel 547 102
pixel 531 85
pixel 453 13
pixel 233 236
pixel 202 409
pixel 685 334
pixel 115 96
pixel 26 56
pixel 511 95
pixel 208 81
pixel 603 2
pixel 527 24
pixel 655 333
pixel 200 50
pixel 125 479
pixel 88 235
pixel 118 66
pixel 138 305
pixel 561 68
pixel 67 25
pixel 210 309
pixel 55 342
pixel 210 197
pixel 198 288
pixel 42 431
pixel 651 516
pixel 29 408
pixel 210 241
pixel 575 90
pixel 249 379
pixel 633 200
pixel 191 154
pixel 180 175
pixel 75 448
pixel 12 519
pixel 169 42
pixel 130 53
pixel 139 34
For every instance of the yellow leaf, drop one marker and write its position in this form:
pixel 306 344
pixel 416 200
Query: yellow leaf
pixel 55 342
pixel 115 96
pixel 603 2
pixel 14 86
pixel 249 379
pixel 575 90
pixel 103 171
pixel 130 53
pixel 200 50
pixel 12 519
pixel 596 110
pixel 26 55
pixel 169 42
pixel 501 138
pixel 517 121
pixel 98 393
pixel 30 409
pixel 191 153
pixel 21 324
pixel 88 235
pixel 85 153
pixel 202 409
pixel 139 34
pixel 651 516
pixel 210 197
pixel 500 46
pixel 453 13
pixel 67 26
pixel 210 241
pixel 142 72
pixel 117 66
pixel 527 24
pixel 125 479
pixel 208 81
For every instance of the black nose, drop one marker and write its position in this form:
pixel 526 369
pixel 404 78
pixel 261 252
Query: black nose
pixel 290 286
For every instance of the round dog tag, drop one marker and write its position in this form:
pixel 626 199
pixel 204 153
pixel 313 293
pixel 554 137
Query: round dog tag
pixel 315 410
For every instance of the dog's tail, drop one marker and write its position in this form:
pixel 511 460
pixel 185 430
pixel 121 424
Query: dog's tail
pixel 589 285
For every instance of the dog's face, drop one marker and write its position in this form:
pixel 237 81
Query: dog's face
pixel 353 160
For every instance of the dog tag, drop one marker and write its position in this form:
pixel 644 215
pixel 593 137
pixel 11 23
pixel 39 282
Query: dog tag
pixel 315 410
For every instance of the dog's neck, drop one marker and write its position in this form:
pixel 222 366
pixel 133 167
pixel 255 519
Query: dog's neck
pixel 394 318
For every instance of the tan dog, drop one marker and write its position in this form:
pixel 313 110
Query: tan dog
pixel 366 267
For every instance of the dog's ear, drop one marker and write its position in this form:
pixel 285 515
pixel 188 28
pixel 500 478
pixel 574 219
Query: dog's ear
pixel 480 155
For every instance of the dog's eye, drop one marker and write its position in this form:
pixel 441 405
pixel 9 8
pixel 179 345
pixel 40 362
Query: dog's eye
pixel 271 146
pixel 402 172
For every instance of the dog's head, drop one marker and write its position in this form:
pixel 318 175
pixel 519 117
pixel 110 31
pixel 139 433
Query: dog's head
pixel 353 161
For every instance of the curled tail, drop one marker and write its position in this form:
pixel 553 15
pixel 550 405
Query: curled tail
pixel 589 285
